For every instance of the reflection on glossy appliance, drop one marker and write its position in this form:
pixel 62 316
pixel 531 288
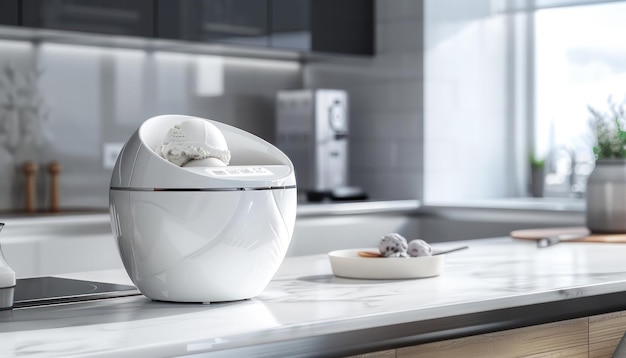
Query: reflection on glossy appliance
pixel 213 231
pixel 38 291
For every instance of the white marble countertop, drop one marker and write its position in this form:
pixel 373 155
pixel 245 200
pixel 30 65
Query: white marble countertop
pixel 306 311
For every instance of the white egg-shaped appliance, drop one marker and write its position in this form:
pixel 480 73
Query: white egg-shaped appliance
pixel 201 233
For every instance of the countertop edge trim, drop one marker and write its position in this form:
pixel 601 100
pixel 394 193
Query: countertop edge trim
pixel 348 343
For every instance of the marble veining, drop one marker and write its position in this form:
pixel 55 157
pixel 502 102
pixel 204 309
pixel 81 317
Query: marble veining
pixel 306 300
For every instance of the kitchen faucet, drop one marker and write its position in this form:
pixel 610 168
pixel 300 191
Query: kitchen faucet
pixel 573 187
pixel 568 175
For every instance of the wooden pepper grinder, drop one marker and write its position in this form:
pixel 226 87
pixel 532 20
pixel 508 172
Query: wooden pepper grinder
pixel 54 169
pixel 30 173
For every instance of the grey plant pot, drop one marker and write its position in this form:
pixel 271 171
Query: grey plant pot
pixel 606 197
pixel 538 179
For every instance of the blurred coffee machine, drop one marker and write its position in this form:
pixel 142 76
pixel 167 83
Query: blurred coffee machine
pixel 312 129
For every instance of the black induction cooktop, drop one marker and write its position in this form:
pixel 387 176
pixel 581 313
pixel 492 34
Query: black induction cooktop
pixel 38 291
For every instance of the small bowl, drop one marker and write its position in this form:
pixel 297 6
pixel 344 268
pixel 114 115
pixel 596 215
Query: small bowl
pixel 347 263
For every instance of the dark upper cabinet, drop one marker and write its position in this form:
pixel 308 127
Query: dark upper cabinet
pixel 331 26
pixel 243 22
pixel 9 13
pixel 115 17
pixel 327 26
pixel 343 26
pixel 290 24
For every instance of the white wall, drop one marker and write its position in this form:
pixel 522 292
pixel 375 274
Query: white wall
pixel 467 116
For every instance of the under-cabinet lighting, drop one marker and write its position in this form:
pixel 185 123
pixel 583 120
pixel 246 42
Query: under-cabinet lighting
pixel 175 57
pixel 15 45
pixel 32 36
pixel 264 63
pixel 71 50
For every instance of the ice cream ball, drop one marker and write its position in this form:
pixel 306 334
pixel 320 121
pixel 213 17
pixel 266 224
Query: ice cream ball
pixel 399 254
pixel 417 248
pixel 392 244
pixel 206 162
pixel 195 143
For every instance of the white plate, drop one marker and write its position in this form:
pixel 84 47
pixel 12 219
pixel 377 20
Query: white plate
pixel 347 263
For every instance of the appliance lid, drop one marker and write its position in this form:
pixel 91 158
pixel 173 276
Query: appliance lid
pixel 255 164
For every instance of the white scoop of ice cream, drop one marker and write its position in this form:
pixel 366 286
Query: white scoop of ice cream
pixel 195 143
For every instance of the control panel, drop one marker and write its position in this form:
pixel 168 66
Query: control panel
pixel 238 171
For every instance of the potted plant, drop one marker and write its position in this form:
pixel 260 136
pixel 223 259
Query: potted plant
pixel 606 186
pixel 537 171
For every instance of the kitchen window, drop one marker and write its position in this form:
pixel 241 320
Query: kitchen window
pixel 580 61
pixel 504 79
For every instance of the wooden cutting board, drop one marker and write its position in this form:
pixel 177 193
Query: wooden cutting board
pixel 536 234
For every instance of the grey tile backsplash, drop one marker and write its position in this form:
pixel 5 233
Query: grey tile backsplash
pixel 386 103
pixel 94 98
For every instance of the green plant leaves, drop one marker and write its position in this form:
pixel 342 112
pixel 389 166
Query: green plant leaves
pixel 609 131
